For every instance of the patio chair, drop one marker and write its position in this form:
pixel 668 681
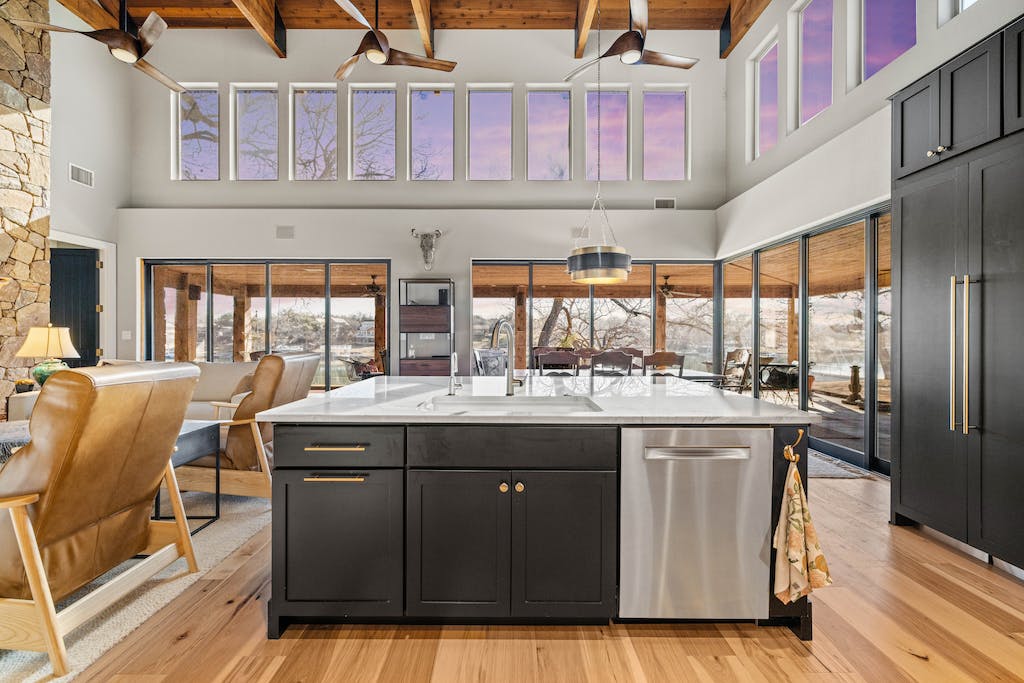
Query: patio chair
pixel 636 354
pixel 559 363
pixel 611 364
pixel 490 362
pixel 664 363
pixel 736 371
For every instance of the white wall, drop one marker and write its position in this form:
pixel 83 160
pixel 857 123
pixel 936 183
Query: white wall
pixel 376 233
pixel 91 101
pixel 839 161
pixel 518 57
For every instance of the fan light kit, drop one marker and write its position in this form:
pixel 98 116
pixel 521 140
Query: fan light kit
pixel 604 263
pixel 377 49
pixel 121 43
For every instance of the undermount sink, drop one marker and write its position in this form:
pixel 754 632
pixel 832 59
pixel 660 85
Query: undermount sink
pixel 511 405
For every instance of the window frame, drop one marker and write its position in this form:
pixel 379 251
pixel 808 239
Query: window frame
pixel 352 89
pixel 492 87
pixel 685 89
pixel 604 89
pixel 549 87
pixel 234 90
pixel 293 90
pixel 415 87
pixel 175 131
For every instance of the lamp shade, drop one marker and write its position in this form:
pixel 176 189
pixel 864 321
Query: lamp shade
pixel 48 342
pixel 599 265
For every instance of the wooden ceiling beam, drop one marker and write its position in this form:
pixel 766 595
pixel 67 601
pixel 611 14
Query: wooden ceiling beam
pixel 743 14
pixel 266 20
pixel 91 13
pixel 426 27
pixel 585 10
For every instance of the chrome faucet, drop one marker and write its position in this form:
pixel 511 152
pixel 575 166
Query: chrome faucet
pixel 510 356
pixel 453 384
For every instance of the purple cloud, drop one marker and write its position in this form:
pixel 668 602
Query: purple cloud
pixel 490 135
pixel 890 29
pixel 614 135
pixel 664 136
pixel 768 100
pixel 547 134
pixel 815 59
pixel 432 135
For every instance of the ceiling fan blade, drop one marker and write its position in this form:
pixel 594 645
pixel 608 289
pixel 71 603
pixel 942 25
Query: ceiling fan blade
pixel 630 40
pixel 354 12
pixel 30 25
pixel 154 73
pixel 661 59
pixel 150 32
pixel 638 14
pixel 399 58
pixel 346 68
pixel 580 69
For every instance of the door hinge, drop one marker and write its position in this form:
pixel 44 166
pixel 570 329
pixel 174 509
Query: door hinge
pixel 99 265
pixel 99 352
pixel 99 308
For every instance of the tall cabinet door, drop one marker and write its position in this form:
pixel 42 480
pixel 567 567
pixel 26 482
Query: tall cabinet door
pixel 1013 77
pixel 996 367
pixel 563 544
pixel 970 90
pixel 930 483
pixel 458 538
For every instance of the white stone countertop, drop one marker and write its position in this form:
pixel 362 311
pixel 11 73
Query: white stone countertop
pixel 541 400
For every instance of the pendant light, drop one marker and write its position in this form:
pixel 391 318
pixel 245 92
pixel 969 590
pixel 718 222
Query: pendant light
pixel 604 262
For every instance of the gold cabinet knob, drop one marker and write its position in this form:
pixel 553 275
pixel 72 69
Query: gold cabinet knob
pixel 503 487
pixel 520 487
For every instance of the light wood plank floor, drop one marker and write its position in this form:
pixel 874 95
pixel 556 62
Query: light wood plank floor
pixel 905 607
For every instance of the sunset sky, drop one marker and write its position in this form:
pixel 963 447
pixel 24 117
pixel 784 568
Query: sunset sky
pixel 890 29
pixel 815 58
pixel 614 135
pixel 547 130
pixel 768 100
pixel 664 135
pixel 432 131
pixel 490 135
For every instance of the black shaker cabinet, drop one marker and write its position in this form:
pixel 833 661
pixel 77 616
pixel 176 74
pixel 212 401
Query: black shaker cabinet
pixel 949 111
pixel 1013 78
pixel 503 543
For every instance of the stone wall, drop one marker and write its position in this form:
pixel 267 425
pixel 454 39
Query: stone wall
pixel 24 183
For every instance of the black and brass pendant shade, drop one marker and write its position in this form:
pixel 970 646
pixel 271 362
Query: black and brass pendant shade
pixel 601 264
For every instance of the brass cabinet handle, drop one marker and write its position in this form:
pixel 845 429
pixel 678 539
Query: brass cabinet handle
pixel 503 487
pixel 952 353
pixel 941 148
pixel 930 153
pixel 967 354
pixel 520 487
pixel 341 448
pixel 353 480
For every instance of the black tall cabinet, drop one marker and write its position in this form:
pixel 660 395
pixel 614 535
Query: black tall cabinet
pixel 958 220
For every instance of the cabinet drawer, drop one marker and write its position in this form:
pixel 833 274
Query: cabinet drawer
pixel 425 367
pixel 338 446
pixel 513 447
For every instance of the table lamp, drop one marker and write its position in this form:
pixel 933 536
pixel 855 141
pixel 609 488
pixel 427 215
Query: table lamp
pixel 51 343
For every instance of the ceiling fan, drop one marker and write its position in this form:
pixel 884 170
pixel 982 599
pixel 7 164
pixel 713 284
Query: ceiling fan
pixel 631 48
pixel 376 48
pixel 373 289
pixel 121 43
pixel 669 292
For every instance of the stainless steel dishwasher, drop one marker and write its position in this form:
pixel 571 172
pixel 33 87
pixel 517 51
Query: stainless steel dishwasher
pixel 695 523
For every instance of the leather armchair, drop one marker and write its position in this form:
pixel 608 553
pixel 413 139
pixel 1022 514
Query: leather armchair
pixel 247 449
pixel 80 496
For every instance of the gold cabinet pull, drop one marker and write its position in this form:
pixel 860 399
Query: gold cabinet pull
pixel 341 448
pixel 952 353
pixel 520 487
pixel 351 480
pixel 967 355
pixel 503 487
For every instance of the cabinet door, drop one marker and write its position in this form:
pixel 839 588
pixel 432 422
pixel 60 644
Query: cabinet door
pixel 563 544
pixel 929 220
pixel 915 126
pixel 338 540
pixel 970 88
pixel 1013 78
pixel 996 370
pixel 458 526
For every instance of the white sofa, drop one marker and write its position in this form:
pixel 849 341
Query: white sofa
pixel 219 382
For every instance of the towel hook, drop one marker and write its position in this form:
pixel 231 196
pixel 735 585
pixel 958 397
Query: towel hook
pixel 788 451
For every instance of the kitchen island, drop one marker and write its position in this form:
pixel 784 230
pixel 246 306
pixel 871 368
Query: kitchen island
pixel 579 499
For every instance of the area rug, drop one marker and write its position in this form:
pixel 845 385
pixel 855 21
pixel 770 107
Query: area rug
pixel 240 519
pixel 821 466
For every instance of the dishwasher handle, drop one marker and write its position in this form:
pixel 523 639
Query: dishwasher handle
pixel 691 453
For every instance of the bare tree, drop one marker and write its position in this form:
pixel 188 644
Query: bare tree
pixel 257 134
pixel 316 135
pixel 373 135
pixel 199 134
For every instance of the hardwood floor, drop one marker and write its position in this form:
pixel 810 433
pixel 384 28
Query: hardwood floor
pixel 904 607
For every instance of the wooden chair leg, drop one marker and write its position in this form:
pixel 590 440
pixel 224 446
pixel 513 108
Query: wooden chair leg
pixel 261 455
pixel 185 548
pixel 40 588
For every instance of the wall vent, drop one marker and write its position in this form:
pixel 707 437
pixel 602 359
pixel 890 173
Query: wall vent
pixel 285 232
pixel 665 203
pixel 82 176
